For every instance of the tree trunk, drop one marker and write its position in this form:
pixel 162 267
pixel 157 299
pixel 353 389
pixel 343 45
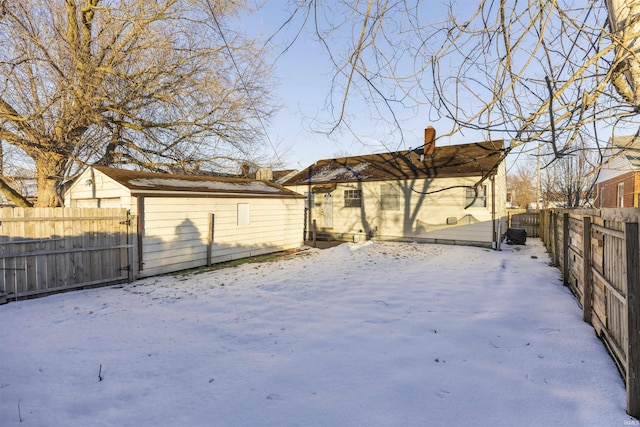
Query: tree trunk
pixel 13 196
pixel 50 169
pixel 625 27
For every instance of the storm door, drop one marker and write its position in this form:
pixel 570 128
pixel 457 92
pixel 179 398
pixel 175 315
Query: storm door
pixel 327 211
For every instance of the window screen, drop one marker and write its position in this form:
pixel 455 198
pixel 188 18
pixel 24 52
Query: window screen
pixel 352 198
pixel 389 197
pixel 481 199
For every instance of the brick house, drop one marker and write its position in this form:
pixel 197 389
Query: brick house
pixel 618 183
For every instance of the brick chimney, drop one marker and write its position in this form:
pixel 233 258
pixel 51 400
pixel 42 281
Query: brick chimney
pixel 429 141
pixel 244 170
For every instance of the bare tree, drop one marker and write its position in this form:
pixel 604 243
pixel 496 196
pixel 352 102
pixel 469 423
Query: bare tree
pixel 533 73
pixel 151 84
pixel 521 184
pixel 625 32
pixel 569 181
pixel 539 72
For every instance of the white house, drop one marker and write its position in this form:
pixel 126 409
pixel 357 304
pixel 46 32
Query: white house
pixel 450 194
pixel 185 221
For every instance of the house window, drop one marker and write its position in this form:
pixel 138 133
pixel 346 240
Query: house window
pixel 620 202
pixel 480 200
pixel 352 198
pixel 601 204
pixel 243 214
pixel 310 200
pixel 389 197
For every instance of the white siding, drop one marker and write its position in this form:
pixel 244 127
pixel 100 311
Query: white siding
pixel 176 230
pixel 419 216
pixel 93 185
pixel 613 167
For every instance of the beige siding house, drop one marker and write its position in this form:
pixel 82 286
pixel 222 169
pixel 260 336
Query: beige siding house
pixel 183 222
pixel 450 194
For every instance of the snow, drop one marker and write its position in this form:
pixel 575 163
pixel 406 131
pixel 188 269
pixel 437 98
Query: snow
pixel 239 186
pixel 343 172
pixel 367 334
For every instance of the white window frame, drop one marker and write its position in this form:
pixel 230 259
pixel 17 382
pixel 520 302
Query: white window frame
pixel 620 195
pixel 352 198
pixel 389 197
pixel 481 200
pixel 310 200
pixel 244 214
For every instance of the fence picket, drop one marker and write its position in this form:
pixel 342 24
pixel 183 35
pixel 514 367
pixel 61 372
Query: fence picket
pixel 44 250
pixel 609 283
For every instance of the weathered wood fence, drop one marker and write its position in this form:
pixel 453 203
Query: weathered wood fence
pixel 598 252
pixel 528 220
pixel 46 250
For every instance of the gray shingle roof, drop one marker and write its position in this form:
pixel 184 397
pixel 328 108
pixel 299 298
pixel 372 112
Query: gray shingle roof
pixel 141 182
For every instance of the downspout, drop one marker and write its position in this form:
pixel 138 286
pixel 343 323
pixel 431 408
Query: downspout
pixel 310 198
pixel 496 243
pixel 140 231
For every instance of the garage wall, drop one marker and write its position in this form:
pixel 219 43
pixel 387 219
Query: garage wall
pixel 176 231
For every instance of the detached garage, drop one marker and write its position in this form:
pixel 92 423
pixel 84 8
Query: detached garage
pixel 184 221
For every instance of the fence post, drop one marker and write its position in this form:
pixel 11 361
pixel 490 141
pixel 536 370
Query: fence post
pixel 132 232
pixel 551 245
pixel 210 240
pixel 555 243
pixel 315 232
pixel 565 249
pixel 541 224
pixel 632 243
pixel 587 301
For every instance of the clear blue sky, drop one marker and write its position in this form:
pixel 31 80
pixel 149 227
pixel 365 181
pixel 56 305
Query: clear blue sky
pixel 304 76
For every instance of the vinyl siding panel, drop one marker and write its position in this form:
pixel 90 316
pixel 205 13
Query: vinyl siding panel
pixel 419 216
pixel 176 230
pixel 614 167
pixel 91 186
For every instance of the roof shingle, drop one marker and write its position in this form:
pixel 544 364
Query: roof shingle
pixel 139 181
pixel 447 161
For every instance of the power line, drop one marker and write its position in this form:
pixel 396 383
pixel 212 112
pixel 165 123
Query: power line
pixel 244 85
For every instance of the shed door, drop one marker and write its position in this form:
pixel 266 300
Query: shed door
pixel 327 211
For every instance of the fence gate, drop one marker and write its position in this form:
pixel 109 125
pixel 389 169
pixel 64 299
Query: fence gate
pixel 48 250
pixel 530 221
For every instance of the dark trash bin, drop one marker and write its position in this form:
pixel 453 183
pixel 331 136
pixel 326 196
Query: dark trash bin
pixel 516 236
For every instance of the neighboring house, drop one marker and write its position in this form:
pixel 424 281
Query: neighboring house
pixel 185 221
pixel 422 194
pixel 618 183
pixel 26 186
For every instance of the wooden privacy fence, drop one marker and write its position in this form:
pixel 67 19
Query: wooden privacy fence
pixel 529 221
pixel 46 250
pixel 598 252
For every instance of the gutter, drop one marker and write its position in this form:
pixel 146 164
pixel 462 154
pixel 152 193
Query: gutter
pixel 495 240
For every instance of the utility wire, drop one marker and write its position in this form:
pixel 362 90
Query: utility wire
pixel 244 85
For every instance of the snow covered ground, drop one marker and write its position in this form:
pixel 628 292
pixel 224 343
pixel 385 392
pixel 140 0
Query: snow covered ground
pixel 369 334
